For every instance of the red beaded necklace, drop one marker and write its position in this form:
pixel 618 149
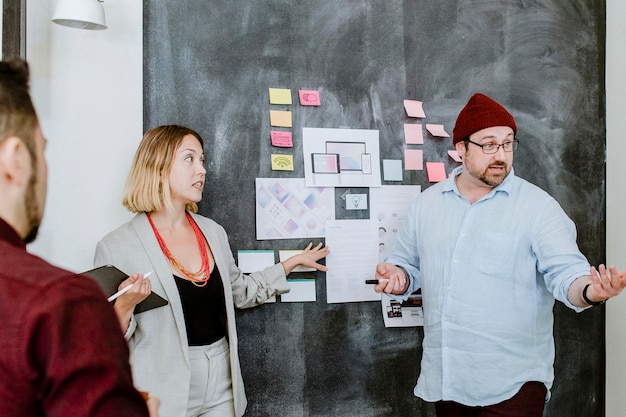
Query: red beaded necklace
pixel 199 278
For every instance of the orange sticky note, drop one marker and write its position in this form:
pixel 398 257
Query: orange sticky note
pixel 280 118
pixel 436 171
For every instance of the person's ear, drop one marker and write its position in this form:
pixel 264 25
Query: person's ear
pixel 15 163
pixel 460 148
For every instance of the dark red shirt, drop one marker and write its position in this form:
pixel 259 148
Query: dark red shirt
pixel 62 352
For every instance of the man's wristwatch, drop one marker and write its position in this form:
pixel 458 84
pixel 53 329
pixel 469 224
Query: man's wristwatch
pixel 588 301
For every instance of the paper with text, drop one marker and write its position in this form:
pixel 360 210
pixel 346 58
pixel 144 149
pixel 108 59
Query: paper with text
pixel 352 260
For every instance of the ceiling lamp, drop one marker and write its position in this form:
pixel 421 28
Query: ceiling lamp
pixel 80 14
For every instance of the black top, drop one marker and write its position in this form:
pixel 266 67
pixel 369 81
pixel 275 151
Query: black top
pixel 204 309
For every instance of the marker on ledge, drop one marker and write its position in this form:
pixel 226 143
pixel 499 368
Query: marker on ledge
pixel 126 288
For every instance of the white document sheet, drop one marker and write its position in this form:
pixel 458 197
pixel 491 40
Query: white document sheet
pixel 302 290
pixel 352 259
pixel 254 260
pixel 389 205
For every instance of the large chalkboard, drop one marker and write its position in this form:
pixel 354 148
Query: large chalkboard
pixel 209 64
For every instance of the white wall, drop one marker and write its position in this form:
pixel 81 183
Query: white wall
pixel 88 88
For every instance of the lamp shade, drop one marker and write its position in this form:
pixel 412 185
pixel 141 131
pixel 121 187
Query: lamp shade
pixel 80 14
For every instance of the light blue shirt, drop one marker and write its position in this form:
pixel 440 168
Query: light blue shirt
pixel 489 273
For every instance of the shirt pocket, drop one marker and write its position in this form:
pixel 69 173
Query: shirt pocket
pixel 495 254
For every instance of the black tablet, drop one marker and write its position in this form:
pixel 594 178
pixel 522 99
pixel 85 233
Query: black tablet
pixel 109 278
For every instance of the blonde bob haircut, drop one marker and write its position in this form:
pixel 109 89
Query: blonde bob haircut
pixel 148 186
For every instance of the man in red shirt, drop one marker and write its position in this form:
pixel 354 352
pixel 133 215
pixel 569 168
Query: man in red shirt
pixel 61 350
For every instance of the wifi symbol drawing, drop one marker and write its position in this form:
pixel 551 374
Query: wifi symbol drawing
pixel 282 162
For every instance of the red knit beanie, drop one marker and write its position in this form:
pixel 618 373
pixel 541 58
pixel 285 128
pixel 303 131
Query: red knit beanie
pixel 479 113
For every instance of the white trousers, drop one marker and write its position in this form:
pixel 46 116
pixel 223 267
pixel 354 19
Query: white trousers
pixel 211 393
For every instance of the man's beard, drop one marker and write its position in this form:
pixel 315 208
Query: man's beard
pixel 33 211
pixel 494 180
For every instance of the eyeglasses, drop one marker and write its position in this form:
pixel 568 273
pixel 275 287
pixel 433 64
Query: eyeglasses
pixel 490 148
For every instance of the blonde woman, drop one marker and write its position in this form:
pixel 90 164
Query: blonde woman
pixel 185 353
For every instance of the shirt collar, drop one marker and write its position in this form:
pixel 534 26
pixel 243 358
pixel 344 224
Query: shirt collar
pixel 506 186
pixel 9 234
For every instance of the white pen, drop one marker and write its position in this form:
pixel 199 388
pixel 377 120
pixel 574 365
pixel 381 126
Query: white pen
pixel 126 288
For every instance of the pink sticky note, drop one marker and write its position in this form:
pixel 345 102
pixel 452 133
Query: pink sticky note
pixel 454 155
pixel 436 171
pixel 282 139
pixel 413 134
pixel 413 159
pixel 309 98
pixel 414 108
pixel 437 130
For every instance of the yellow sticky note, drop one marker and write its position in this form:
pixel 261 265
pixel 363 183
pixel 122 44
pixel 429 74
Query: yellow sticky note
pixel 282 162
pixel 280 96
pixel 280 118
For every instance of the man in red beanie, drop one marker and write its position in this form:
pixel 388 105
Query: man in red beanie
pixel 491 253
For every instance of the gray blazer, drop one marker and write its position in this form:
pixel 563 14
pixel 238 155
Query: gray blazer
pixel 157 338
